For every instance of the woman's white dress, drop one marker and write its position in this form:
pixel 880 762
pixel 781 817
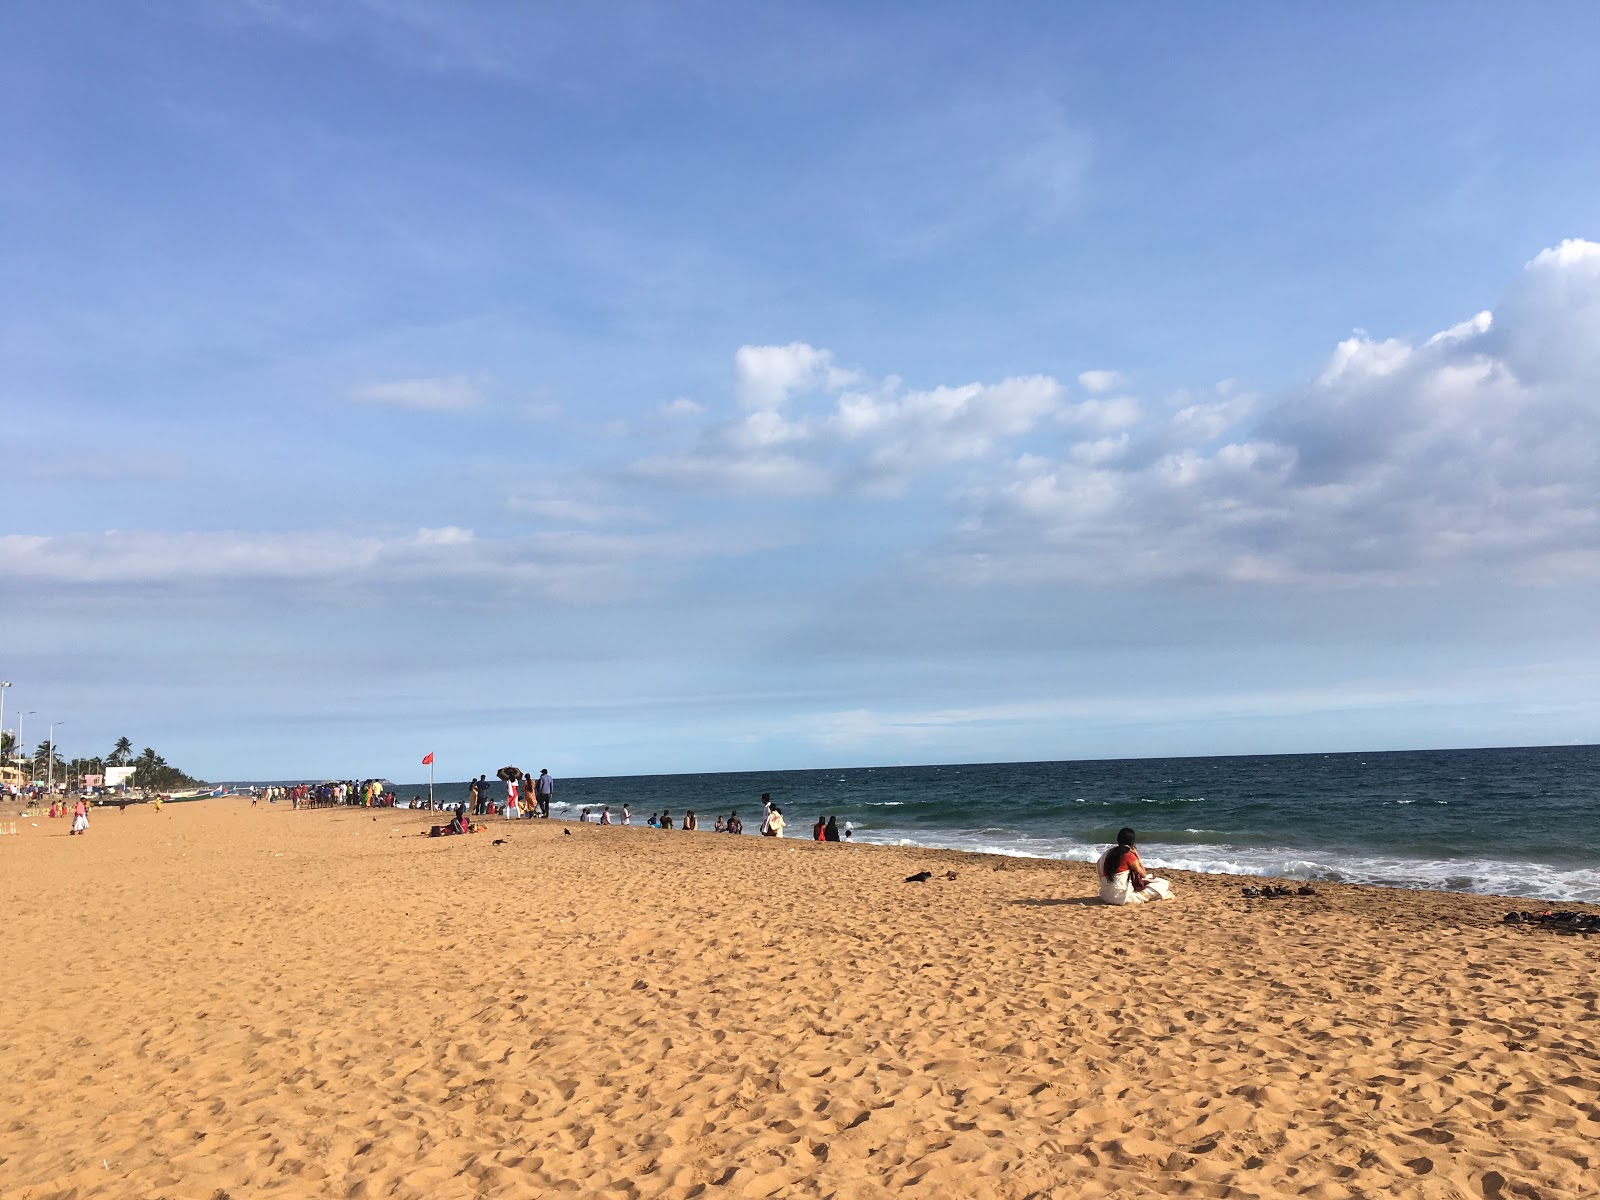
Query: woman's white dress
pixel 1118 888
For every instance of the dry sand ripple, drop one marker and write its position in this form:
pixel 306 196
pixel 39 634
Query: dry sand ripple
pixel 220 1000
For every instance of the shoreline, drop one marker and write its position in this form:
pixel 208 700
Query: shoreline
pixel 1240 879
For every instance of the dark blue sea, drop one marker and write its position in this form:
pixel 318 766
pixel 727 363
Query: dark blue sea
pixel 1518 822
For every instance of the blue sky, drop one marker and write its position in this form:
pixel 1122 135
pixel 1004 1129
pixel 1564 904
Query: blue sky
pixel 647 388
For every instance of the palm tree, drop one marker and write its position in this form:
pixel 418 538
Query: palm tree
pixel 41 760
pixel 150 771
pixel 120 754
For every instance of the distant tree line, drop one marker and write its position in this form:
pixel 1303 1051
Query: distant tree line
pixel 150 771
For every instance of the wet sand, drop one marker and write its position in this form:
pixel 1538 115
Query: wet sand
pixel 222 1000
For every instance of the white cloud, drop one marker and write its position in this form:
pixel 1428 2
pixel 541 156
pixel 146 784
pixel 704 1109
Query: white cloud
pixel 452 393
pixel 682 406
pixel 567 511
pixel 1103 415
pixel 861 437
pixel 1473 451
pixel 1547 330
pixel 447 535
pixel 1096 382
pixel 766 376
pixel 762 474
pixel 144 557
pixel 569 565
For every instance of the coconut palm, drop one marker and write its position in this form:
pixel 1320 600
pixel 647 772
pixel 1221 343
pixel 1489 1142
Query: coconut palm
pixel 41 760
pixel 120 754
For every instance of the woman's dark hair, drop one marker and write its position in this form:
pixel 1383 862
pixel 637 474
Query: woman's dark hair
pixel 1119 853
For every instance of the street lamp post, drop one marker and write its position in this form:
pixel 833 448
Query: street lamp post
pixel 20 715
pixel 50 759
pixel 4 684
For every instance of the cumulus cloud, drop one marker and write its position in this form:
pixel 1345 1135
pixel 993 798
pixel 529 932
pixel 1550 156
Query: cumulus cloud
pixel 1472 450
pixel 812 427
pixel 768 375
pixel 452 393
pixel 1095 382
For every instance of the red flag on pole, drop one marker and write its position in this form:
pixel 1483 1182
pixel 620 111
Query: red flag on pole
pixel 429 760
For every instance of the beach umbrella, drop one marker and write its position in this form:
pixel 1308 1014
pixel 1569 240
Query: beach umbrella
pixel 508 773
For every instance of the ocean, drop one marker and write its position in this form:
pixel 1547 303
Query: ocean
pixel 1514 822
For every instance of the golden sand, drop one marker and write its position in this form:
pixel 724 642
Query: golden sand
pixel 226 1001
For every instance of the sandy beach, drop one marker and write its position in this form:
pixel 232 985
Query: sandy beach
pixel 226 1001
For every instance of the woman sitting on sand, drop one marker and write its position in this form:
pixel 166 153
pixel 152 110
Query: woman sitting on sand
pixel 1122 877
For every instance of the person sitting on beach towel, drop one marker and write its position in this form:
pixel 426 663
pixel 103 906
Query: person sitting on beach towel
pixel 1122 875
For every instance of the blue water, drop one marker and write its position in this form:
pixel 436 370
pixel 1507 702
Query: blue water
pixel 1520 822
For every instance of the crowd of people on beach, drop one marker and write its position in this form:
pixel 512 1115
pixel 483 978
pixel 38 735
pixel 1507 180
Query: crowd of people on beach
pixel 1123 879
pixel 367 793
pixel 526 798
pixel 827 828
